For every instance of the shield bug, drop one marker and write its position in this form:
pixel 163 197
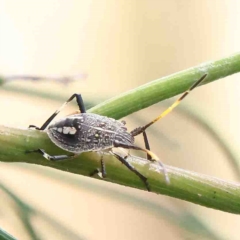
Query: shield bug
pixel 86 132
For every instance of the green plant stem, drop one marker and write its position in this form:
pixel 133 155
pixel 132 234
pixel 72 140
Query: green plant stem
pixel 197 188
pixel 26 211
pixel 218 135
pixel 5 236
pixel 40 93
pixel 185 218
pixel 166 87
pixel 193 187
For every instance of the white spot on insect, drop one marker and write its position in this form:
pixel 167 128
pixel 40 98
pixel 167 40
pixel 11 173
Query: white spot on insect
pixel 72 130
pixel 66 130
pixel 59 130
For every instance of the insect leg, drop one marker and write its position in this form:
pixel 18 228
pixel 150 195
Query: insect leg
pixel 49 157
pixel 154 158
pixel 103 167
pixel 102 171
pixel 146 142
pixel 131 168
pixel 80 105
pixel 140 130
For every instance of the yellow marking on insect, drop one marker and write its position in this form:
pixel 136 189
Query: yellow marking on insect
pixel 175 104
pixel 153 156
pixel 167 111
pixel 156 159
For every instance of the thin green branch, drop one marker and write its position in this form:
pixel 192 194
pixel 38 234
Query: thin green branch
pixel 40 93
pixel 6 236
pixel 197 188
pixel 193 187
pixel 26 211
pixel 215 133
pixel 166 87
pixel 184 218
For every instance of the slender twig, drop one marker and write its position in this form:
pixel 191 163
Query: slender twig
pixel 57 79
pixel 6 236
pixel 26 212
pixel 197 188
pixel 216 134
pixel 183 218
pixel 166 87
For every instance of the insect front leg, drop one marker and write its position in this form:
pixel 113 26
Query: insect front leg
pixel 80 105
pixel 51 158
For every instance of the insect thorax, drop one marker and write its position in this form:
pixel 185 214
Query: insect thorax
pixel 88 132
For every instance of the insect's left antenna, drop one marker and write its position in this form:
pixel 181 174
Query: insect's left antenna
pixel 140 130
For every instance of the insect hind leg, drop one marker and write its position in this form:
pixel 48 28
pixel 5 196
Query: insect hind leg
pixel 141 129
pixel 153 158
pixel 147 146
pixel 131 168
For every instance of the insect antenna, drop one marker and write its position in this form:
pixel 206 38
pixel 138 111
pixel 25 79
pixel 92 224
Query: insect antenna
pixel 140 130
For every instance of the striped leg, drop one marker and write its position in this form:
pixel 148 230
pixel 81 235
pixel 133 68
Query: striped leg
pixel 140 130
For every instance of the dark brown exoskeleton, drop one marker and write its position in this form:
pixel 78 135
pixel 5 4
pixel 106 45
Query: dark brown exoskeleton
pixel 86 132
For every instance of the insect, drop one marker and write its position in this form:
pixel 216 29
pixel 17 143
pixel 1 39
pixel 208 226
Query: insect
pixel 86 132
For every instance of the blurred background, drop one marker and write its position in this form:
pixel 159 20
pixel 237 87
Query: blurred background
pixel 111 47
